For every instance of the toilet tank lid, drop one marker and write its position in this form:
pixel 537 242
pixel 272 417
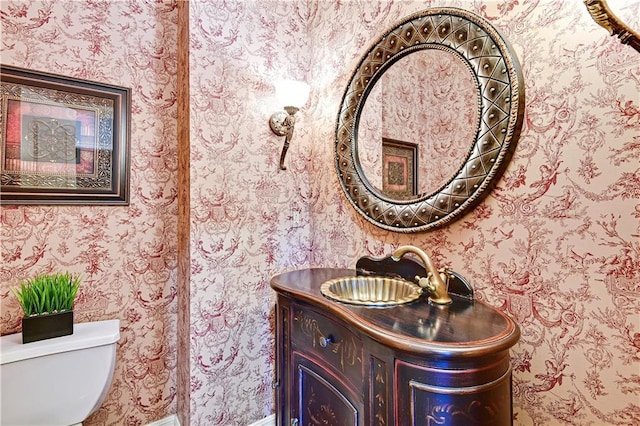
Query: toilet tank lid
pixel 85 335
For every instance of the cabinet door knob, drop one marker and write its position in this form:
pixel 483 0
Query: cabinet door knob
pixel 325 341
pixel 295 422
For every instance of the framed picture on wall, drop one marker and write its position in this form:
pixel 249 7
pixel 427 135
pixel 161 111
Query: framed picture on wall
pixel 399 168
pixel 64 140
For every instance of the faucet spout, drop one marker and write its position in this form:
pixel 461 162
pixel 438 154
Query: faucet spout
pixel 436 282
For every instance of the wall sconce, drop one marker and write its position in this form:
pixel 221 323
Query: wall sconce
pixel 293 95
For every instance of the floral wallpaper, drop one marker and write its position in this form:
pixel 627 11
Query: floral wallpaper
pixel 126 255
pixel 249 220
pixel 555 245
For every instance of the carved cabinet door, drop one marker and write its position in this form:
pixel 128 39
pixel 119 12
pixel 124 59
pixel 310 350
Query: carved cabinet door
pixel 439 396
pixel 321 398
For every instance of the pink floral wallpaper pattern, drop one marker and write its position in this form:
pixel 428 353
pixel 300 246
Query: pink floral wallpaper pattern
pixel 554 246
pixel 125 255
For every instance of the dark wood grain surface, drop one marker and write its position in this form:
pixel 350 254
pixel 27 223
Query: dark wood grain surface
pixel 463 328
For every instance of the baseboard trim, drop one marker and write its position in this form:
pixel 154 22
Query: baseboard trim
pixel 173 421
pixel 167 421
pixel 267 421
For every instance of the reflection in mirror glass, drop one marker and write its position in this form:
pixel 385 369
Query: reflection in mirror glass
pixel 430 99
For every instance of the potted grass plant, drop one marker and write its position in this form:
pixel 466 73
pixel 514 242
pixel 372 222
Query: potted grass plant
pixel 47 302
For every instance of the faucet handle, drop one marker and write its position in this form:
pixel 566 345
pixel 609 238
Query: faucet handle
pixel 445 269
pixel 425 282
pixel 445 273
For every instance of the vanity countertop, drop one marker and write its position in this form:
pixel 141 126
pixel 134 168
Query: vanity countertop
pixel 463 328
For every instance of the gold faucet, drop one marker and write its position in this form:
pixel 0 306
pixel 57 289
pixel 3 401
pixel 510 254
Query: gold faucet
pixel 436 282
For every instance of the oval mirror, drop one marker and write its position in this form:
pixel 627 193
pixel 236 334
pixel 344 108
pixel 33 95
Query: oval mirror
pixel 428 121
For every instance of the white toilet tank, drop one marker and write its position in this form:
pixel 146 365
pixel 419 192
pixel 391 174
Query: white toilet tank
pixel 60 381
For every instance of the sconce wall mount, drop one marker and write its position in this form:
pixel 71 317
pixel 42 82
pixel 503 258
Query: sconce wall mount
pixel 282 123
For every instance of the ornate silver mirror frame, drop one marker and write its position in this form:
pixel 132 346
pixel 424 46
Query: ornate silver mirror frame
pixel 501 93
pixel 602 14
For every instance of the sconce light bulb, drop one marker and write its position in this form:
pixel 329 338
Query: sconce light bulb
pixel 292 93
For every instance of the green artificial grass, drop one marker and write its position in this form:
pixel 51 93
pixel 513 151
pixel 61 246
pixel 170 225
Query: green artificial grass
pixel 47 293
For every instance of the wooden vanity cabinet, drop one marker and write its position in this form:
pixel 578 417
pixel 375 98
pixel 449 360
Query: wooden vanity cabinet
pixel 342 365
pixel 319 371
pixel 477 395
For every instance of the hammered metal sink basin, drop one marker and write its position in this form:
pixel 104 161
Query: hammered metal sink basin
pixel 371 291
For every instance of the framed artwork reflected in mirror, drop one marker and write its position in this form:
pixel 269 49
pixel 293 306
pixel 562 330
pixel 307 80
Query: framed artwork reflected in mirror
pixel 399 168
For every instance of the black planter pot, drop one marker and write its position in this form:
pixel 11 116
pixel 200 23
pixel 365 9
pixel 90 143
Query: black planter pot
pixel 47 326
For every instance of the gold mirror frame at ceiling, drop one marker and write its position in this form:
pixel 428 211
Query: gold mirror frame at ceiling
pixel 501 88
pixel 602 14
